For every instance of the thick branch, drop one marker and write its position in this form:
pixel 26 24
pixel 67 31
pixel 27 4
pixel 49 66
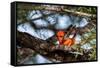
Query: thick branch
pixel 45 49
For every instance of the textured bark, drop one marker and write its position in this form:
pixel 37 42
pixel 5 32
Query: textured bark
pixel 46 49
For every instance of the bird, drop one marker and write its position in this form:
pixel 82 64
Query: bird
pixel 69 41
pixel 60 36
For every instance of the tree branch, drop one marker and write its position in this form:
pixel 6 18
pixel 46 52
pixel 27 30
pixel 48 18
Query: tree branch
pixel 45 49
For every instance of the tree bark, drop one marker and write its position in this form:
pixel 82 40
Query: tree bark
pixel 46 49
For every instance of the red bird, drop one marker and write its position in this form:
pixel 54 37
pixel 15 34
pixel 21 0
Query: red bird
pixel 67 42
